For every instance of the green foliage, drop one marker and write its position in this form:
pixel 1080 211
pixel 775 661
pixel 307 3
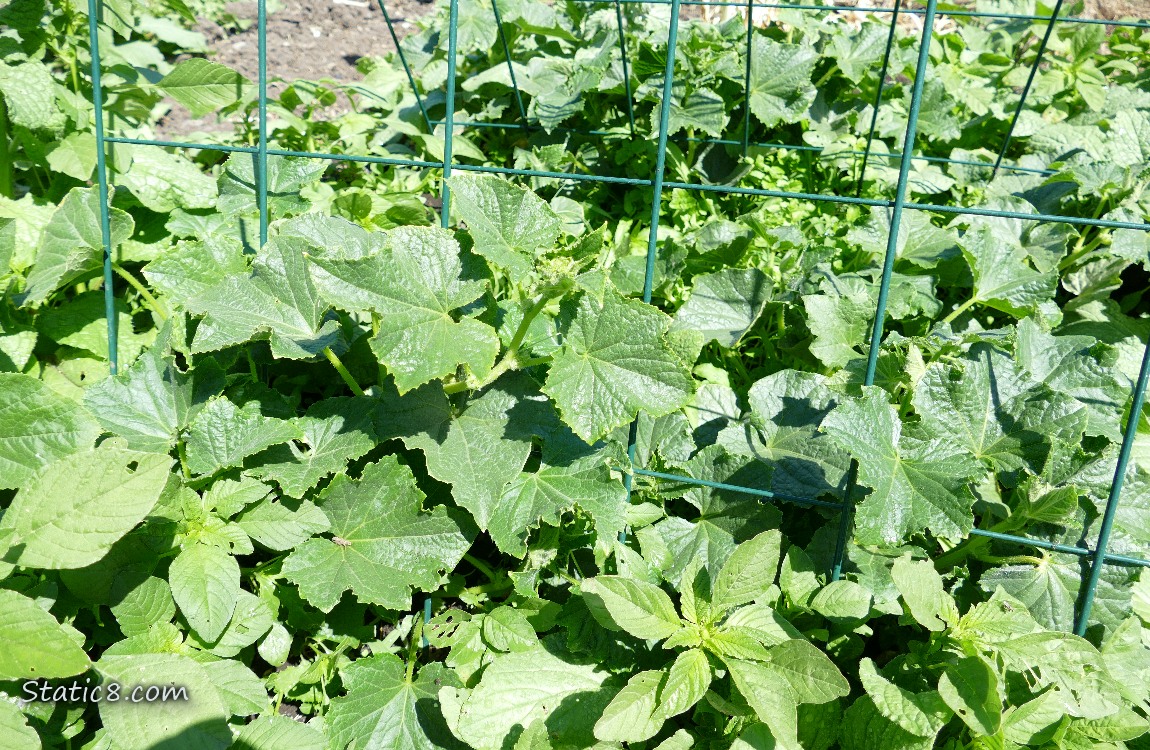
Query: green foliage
pixel 307 441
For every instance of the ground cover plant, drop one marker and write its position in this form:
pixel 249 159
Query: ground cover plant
pixel 362 480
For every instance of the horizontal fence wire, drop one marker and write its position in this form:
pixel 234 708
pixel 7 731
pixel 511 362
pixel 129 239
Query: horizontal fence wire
pixel 1095 557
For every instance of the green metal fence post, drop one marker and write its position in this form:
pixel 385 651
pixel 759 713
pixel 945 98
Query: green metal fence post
pixel 102 179
pixel 262 146
pixel 510 65
pixel 1026 88
pixel 747 79
pixel 449 115
pixel 1098 559
pixel 847 512
pixel 656 206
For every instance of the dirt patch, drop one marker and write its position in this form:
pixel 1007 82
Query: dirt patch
pixel 313 39
pixel 1113 10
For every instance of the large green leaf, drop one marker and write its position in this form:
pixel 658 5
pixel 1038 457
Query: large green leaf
pixel 223 435
pixel 384 708
pixel 1003 278
pixel 480 451
pixel 35 644
pixel 921 588
pixel 198 722
pixel 413 278
pixel 782 430
pixel 277 299
pixel 164 182
pixel 781 89
pixel 614 363
pixel 383 543
pixel 995 411
pixel 151 402
pixel 1080 367
pixel 27 90
pixel 917 484
pixel 511 225
pixel 334 431
pixel 15 727
pixel 540 684
pixel 724 305
pixel 72 244
pixel 70 514
pixel 37 426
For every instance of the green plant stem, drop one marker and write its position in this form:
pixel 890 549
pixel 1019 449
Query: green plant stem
pixel 412 645
pixel 482 567
pixel 343 372
pixel 7 178
pixel 152 302
pixel 376 320
pixel 826 76
pixel 510 359
pixel 960 310
pixel 182 452
pixel 1081 250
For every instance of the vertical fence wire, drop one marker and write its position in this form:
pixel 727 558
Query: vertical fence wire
pixel 626 67
pixel 878 96
pixel 847 512
pixel 262 145
pixel 1098 559
pixel 747 79
pixel 403 61
pixel 1026 89
pixel 94 8
pixel 510 65
pixel 656 207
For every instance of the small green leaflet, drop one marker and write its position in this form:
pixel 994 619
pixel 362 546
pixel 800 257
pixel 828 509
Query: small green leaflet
pixel 917 484
pixel 37 425
pixel 615 362
pixel 724 305
pixel 781 88
pixel 921 714
pixel 510 224
pixel 413 279
pixel 35 644
pixel 921 588
pixel 970 686
pixel 642 609
pixel 634 714
pixel 71 513
pixel 383 544
pixel 204 86
pixel 385 709
pixel 205 583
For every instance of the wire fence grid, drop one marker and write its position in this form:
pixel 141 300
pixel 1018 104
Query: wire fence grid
pixel 1096 558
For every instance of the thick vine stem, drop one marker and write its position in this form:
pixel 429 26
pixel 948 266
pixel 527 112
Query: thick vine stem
pixel 343 372
pixel 510 359
pixel 149 300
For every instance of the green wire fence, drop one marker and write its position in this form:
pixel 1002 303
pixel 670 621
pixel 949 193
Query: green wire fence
pixel 1096 558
